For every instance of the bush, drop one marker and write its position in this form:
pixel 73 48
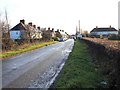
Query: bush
pixel 101 36
pixel 114 37
pixel 55 38
pixel 94 36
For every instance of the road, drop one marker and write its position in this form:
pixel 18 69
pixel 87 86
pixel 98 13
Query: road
pixel 36 69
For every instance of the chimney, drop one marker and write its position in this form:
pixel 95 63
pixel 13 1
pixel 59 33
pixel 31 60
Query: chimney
pixel 30 23
pixel 96 26
pixel 52 29
pixel 34 26
pixel 38 28
pixel 110 26
pixel 22 21
pixel 49 28
pixel 57 30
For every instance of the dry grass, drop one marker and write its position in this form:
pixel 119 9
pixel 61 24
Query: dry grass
pixel 24 48
pixel 112 44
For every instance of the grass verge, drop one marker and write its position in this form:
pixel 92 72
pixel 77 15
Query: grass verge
pixel 78 71
pixel 34 46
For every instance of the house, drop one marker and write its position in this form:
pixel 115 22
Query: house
pixel 31 30
pixel 25 31
pixel 58 34
pixel 19 31
pixel 103 31
pixel 78 35
pixel 53 34
pixel 64 34
pixel 73 36
pixel 46 34
pixel 34 33
pixel 39 32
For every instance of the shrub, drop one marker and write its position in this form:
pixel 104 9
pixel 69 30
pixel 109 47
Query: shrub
pixel 114 37
pixel 101 36
pixel 55 38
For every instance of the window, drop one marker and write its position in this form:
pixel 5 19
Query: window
pixel 16 32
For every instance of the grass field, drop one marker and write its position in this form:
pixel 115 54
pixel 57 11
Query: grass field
pixel 24 48
pixel 79 71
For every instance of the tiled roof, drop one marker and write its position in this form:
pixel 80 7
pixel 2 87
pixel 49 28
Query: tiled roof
pixel 19 26
pixel 103 29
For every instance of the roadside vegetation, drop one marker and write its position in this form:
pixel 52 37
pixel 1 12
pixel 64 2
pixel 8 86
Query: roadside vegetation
pixel 24 48
pixel 79 70
pixel 113 44
pixel 106 56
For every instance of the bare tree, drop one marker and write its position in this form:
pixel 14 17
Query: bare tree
pixel 4 26
pixel 6 20
pixel 4 31
pixel 0 27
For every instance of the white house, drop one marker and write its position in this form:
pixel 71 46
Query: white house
pixel 79 36
pixel 25 31
pixel 103 31
pixel 39 33
pixel 18 31
pixel 35 33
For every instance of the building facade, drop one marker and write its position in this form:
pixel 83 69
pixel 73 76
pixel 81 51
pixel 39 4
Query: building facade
pixel 103 31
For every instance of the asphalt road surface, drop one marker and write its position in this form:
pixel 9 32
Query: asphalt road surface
pixel 36 69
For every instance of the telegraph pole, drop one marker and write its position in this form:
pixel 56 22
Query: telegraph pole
pixel 76 29
pixel 79 26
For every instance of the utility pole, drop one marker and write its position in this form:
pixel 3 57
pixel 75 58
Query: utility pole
pixel 79 26
pixel 76 29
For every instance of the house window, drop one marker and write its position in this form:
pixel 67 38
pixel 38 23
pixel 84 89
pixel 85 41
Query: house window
pixel 16 32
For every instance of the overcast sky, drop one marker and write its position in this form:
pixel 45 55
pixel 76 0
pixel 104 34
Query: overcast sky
pixel 63 14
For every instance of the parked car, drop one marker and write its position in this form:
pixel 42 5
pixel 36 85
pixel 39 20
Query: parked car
pixel 61 39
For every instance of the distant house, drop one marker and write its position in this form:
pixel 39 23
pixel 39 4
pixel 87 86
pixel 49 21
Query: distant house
pixel 39 33
pixel 53 33
pixel 103 31
pixel 46 34
pixel 19 31
pixel 58 34
pixel 73 36
pixel 33 31
pixel 78 35
pixel 64 34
